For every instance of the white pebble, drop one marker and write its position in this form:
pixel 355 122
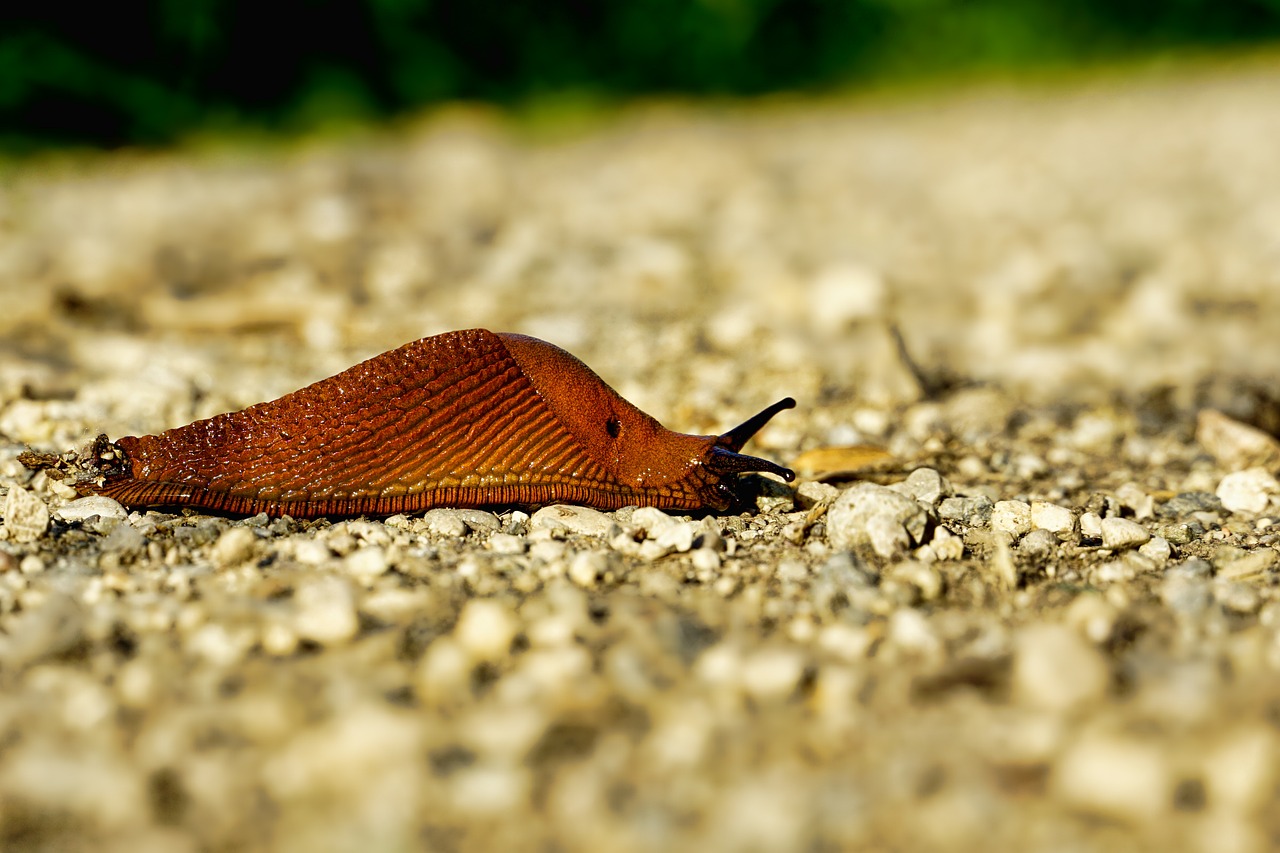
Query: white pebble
pixel 1091 525
pixel 925 485
pixel 85 508
pixel 233 547
pixel 706 560
pixel 444 672
pixel 506 543
pixel 1051 517
pixel 1011 517
pixel 575 519
pixel 444 522
pixel 1157 549
pixel 587 568
pixel 873 515
pixel 1055 669
pixel 1234 444
pixel 326 611
pixel 1249 491
pixel 909 631
pixel 678 537
pixel 1114 777
pixel 25 516
pixel 485 629
pixel 310 552
pixel 772 673
pixel 1240 773
pixel 367 563
pixel 1123 533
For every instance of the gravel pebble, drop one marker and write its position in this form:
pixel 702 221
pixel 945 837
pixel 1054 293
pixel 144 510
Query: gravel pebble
pixel 1055 669
pixel 445 522
pixel 925 485
pixel 1236 445
pixel 367 563
pixel 576 519
pixel 1122 533
pixel 873 515
pixel 1011 517
pixel 233 547
pixel 485 630
pixel 1250 491
pixel 1115 777
pixel 83 509
pixel 1051 517
pixel 25 516
pixel 973 511
pixel 325 611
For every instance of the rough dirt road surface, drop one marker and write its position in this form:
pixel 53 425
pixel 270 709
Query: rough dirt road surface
pixel 1044 617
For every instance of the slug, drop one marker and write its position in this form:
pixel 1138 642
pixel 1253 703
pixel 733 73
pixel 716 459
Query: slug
pixel 463 419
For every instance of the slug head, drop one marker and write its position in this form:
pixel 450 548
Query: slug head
pixel 671 469
pixel 725 463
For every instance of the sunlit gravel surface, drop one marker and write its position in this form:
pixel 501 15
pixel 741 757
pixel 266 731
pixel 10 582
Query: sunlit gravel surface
pixel 1043 616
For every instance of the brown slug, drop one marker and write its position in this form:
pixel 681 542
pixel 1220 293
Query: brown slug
pixel 463 419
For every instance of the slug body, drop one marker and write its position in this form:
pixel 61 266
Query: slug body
pixel 463 419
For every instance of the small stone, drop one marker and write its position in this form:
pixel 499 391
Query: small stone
pixel 444 522
pixel 1011 517
pixel 1236 445
pixel 1091 525
pixel 772 673
pixel 1051 517
pixel 810 493
pixel 1249 491
pixel 678 537
pixel 588 568
pixel 25 516
pixel 443 673
pixel 233 547
pixel 909 631
pixel 1120 533
pixel 873 515
pixel 1240 772
pixel 1177 534
pixel 1038 544
pixel 1055 669
pixel 1186 503
pixel 706 560
pixel 82 509
pixel 1237 597
pixel 925 485
pixel 974 511
pixel 946 545
pixel 651 520
pixel 125 540
pixel 1134 497
pixel 1233 564
pixel 367 563
pixel 1157 549
pixel 1117 777
pixel 485 629
pixel 479 520
pixel 326 611
pixel 310 552
pixel 575 519
pixel 506 543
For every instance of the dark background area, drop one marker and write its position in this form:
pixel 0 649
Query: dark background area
pixel 113 74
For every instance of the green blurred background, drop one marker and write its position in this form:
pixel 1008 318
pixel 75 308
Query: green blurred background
pixel 111 74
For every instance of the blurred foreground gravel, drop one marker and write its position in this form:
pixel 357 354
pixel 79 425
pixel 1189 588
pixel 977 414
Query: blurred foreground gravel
pixel 1043 616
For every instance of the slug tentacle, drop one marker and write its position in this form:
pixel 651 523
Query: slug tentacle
pixel 735 438
pixel 468 418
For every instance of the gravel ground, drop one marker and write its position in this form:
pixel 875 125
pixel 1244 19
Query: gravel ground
pixel 1042 615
